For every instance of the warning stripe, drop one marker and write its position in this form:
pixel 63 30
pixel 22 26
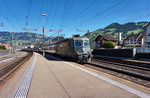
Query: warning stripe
pixel 22 91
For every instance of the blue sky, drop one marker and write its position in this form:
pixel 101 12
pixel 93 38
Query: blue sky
pixel 69 15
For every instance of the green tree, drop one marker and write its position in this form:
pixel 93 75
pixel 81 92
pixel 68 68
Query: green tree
pixel 109 44
pixel 91 42
pixel 2 48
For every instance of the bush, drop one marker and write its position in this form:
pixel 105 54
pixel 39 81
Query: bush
pixel 109 44
pixel 2 48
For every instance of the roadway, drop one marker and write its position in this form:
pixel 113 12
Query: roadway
pixel 50 77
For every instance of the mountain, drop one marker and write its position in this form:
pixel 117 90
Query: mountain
pixel 24 38
pixel 21 38
pixel 114 28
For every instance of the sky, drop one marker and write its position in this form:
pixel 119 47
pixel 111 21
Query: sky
pixel 70 15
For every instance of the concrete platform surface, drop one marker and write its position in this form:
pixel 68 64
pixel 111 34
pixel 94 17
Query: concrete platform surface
pixel 53 78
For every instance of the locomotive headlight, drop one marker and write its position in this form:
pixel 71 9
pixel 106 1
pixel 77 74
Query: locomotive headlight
pixel 83 49
pixel 89 52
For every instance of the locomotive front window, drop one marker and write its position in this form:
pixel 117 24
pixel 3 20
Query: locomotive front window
pixel 78 43
pixel 86 43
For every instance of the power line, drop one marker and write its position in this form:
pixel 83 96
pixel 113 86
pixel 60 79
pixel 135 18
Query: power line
pixel 83 11
pixel 28 11
pixel 68 13
pixel 8 20
pixel 148 8
pixel 49 12
pixel 112 12
pixel 55 12
pixel 116 4
pixel 42 1
pixel 6 4
pixel 136 18
pixel 64 13
pixel 139 17
pixel 97 6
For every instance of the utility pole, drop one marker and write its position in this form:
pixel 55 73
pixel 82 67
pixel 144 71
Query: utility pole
pixel 57 31
pixel 43 36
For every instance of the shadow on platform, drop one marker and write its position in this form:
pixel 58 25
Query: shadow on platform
pixel 52 56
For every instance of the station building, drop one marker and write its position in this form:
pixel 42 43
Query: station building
pixel 99 40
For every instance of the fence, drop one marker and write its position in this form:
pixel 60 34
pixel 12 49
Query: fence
pixel 127 53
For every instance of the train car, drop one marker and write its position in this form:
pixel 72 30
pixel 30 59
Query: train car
pixel 50 48
pixel 76 48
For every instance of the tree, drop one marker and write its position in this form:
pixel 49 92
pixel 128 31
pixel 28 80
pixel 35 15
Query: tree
pixel 109 44
pixel 91 42
pixel 2 48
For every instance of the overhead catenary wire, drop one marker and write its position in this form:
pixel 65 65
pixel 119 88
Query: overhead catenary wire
pixel 114 12
pixel 148 8
pixel 81 13
pixel 6 4
pixel 8 20
pixel 55 12
pixel 42 2
pixel 97 6
pixel 145 15
pixel 64 12
pixel 50 10
pixel 139 17
pixel 28 11
pixel 116 4
pixel 68 12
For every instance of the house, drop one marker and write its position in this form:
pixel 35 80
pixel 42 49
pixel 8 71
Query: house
pixel 6 45
pixel 148 34
pixel 135 40
pixel 99 40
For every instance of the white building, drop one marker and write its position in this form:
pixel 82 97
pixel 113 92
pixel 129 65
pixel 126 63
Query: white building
pixel 119 36
pixel 148 34
pixel 94 44
pixel 135 40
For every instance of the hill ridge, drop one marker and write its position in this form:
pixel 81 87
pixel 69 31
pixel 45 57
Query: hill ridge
pixel 126 29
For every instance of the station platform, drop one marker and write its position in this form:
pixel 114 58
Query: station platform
pixel 51 77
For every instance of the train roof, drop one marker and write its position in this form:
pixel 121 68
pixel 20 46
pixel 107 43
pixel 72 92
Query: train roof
pixel 80 38
pixel 74 38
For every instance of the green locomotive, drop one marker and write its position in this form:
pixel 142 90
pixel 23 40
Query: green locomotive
pixel 77 48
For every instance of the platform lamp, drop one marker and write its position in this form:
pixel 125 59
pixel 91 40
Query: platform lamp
pixel 43 36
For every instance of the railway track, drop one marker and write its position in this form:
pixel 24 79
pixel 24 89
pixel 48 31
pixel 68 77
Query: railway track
pixel 137 74
pixel 11 67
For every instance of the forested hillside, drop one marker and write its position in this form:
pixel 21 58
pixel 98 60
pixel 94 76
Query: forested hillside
pixel 126 29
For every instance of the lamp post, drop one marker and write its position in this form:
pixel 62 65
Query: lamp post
pixel 43 36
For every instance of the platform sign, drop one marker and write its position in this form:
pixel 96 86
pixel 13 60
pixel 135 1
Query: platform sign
pixel 43 40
